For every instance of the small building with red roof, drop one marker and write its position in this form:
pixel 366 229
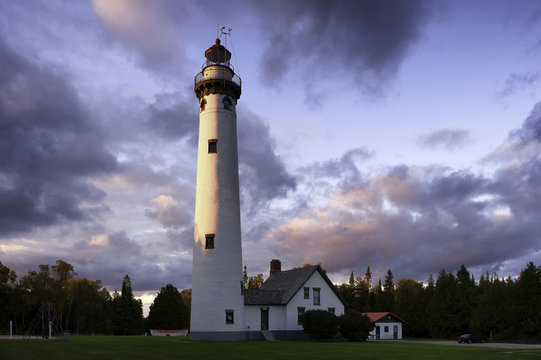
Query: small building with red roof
pixel 387 326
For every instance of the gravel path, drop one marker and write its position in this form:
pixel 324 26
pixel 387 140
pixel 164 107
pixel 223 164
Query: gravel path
pixel 488 344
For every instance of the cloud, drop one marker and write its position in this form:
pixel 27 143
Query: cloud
pixel 366 39
pixel 169 212
pixel 263 175
pixel 418 220
pixel 410 222
pixel 446 138
pixel 144 26
pixel 531 128
pixel 343 168
pixel 173 117
pixel 522 144
pixel 50 149
pixel 516 82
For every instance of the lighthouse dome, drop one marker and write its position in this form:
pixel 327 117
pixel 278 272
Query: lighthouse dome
pixel 217 53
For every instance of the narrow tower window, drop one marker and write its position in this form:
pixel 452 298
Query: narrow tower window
pixel 213 146
pixel 227 103
pixel 209 241
pixel 202 104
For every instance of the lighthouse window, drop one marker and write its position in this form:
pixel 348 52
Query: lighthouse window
pixel 202 104
pixel 213 146
pixel 229 317
pixel 209 241
pixel 227 103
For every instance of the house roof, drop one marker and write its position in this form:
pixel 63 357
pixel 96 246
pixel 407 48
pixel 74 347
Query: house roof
pixel 263 297
pixel 280 288
pixel 376 316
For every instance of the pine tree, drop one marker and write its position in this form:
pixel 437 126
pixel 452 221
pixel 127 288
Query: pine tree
pixel 388 292
pixel 245 278
pixel 368 276
pixel 168 311
pixel 127 314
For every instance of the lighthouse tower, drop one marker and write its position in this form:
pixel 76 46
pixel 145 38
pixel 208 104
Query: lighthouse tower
pixel 217 291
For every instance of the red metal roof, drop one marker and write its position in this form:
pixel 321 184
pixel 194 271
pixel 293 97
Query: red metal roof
pixel 376 316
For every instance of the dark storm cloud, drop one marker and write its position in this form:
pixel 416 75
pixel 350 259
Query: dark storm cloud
pixel 108 257
pixel 516 82
pixel 49 149
pixel 343 168
pixel 365 39
pixel 263 175
pixel 174 118
pixel 531 128
pixel 447 138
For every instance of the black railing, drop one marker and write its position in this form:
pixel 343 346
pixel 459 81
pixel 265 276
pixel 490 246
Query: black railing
pixel 200 77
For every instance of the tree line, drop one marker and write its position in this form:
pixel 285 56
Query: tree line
pixel 84 306
pixel 453 304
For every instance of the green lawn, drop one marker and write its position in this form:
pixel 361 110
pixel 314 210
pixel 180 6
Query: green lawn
pixel 140 347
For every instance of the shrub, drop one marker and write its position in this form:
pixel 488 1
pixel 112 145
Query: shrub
pixel 355 326
pixel 320 324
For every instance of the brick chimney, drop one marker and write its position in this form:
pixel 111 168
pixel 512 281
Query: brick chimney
pixel 275 266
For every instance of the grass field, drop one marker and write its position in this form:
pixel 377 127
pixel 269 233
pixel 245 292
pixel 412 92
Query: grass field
pixel 163 348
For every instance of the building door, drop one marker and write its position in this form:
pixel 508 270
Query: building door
pixel 264 318
pixel 395 332
pixel 377 332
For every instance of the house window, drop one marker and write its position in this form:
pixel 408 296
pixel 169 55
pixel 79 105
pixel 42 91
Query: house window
pixel 385 329
pixel 213 146
pixel 316 296
pixel 209 241
pixel 229 317
pixel 331 310
pixel 307 293
pixel 300 314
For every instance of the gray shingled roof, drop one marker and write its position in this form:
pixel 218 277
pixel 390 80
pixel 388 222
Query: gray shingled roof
pixel 283 285
pixel 263 297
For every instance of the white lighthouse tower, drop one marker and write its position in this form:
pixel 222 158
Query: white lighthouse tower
pixel 217 292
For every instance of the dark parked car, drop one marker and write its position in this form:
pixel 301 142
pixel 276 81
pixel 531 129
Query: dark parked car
pixel 469 338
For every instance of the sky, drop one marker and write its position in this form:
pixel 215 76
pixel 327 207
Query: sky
pixel 402 135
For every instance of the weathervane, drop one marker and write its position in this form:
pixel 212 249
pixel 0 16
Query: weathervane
pixel 222 31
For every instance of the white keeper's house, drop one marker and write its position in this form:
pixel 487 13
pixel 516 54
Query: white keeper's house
pixel 279 305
